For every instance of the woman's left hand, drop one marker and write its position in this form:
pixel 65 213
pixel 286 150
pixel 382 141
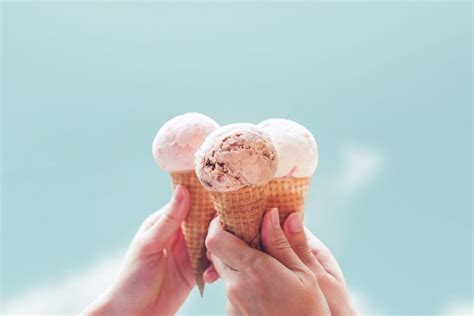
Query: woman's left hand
pixel 156 276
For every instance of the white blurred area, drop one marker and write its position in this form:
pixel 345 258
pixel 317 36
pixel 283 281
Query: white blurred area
pixel 67 296
pixel 459 309
pixel 359 167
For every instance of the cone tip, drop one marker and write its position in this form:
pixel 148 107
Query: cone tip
pixel 200 286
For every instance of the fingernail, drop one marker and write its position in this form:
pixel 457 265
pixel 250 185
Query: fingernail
pixel 275 218
pixel 210 276
pixel 295 223
pixel 178 194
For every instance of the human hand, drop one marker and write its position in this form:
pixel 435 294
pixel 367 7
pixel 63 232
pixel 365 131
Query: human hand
pixel 277 283
pixel 156 276
pixel 320 260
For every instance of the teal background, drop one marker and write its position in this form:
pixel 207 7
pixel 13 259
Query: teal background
pixel 85 86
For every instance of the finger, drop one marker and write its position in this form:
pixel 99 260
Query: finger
pixel 181 257
pixel 276 244
pixel 158 235
pixel 294 232
pixel 210 275
pixel 324 256
pixel 226 272
pixel 230 249
pixel 150 220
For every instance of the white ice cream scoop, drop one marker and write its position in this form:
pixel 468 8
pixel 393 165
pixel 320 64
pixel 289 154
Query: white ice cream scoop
pixel 296 147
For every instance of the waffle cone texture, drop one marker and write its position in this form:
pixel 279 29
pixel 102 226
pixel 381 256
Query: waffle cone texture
pixel 196 224
pixel 288 195
pixel 241 212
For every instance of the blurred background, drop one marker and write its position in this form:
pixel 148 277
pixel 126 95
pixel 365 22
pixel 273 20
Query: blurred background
pixel 386 88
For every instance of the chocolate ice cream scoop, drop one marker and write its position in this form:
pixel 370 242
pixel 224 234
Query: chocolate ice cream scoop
pixel 236 156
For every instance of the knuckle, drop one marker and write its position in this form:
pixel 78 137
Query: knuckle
pixel 307 277
pixel 312 280
pixel 302 248
pixel 324 254
pixel 254 275
pixel 280 243
pixel 169 218
pixel 256 264
pixel 213 241
pixel 257 270
pixel 323 280
pixel 150 220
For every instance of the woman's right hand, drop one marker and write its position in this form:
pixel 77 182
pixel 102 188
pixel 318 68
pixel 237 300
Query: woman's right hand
pixel 274 283
pixel 309 249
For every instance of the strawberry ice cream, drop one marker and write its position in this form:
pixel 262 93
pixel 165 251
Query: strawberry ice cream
pixel 173 149
pixel 178 139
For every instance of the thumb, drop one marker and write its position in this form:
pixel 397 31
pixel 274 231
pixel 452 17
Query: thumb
pixel 157 236
pixel 276 244
pixel 294 232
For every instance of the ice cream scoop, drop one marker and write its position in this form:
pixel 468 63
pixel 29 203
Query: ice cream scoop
pixel 235 163
pixel 178 139
pixel 298 154
pixel 236 156
pixel 173 149
pixel 296 147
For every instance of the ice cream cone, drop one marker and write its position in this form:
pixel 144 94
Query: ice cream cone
pixel 298 153
pixel 201 212
pixel 241 212
pixel 235 163
pixel 288 195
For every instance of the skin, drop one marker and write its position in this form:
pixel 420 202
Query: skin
pixel 156 276
pixel 247 273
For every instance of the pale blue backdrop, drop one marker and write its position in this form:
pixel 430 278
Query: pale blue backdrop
pixel 385 88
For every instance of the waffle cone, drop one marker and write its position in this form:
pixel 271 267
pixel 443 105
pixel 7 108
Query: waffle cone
pixel 241 212
pixel 195 226
pixel 288 195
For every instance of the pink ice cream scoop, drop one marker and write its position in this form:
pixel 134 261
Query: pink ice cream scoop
pixel 236 156
pixel 178 139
